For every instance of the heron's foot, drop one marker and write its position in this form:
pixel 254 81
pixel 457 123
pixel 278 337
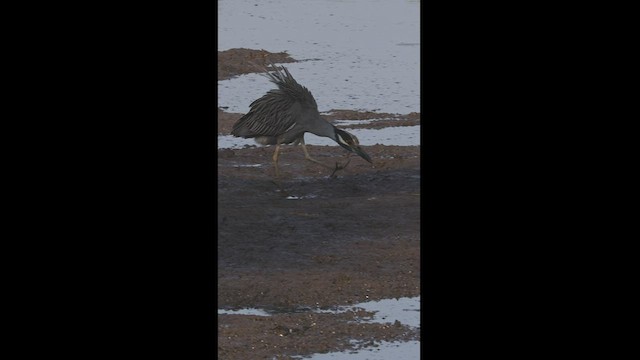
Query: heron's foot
pixel 339 167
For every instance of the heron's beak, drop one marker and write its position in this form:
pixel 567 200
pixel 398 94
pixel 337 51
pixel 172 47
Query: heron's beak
pixel 362 154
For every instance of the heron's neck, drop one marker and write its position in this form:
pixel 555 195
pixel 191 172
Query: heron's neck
pixel 323 128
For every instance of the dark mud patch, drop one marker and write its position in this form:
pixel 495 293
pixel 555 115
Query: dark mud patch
pixel 306 240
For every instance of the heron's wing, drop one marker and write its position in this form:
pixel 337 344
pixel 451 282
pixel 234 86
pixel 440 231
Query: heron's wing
pixel 278 110
pixel 270 115
pixel 290 88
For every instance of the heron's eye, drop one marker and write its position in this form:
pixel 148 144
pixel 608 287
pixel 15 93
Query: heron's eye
pixel 351 139
pixel 347 139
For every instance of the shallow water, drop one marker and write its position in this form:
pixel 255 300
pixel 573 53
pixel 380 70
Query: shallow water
pixel 359 54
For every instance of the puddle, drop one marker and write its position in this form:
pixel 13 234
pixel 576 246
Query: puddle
pixel 384 350
pixel 397 135
pixel 248 165
pixel 250 311
pixel 376 67
pixel 404 310
pixel 301 197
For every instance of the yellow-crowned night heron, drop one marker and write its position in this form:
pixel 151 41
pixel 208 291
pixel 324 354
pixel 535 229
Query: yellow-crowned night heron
pixel 284 115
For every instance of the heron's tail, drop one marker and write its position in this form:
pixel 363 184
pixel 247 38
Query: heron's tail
pixel 240 128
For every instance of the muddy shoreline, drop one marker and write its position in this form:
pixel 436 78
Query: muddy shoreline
pixel 308 241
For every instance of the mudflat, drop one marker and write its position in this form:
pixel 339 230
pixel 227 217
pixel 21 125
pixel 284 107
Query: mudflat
pixel 308 241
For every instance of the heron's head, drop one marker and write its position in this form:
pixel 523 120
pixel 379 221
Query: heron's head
pixel 350 142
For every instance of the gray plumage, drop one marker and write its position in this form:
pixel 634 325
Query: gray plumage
pixel 287 111
pixel 283 115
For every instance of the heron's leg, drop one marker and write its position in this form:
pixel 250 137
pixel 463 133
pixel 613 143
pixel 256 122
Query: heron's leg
pixel 275 158
pixel 306 153
pixel 340 167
